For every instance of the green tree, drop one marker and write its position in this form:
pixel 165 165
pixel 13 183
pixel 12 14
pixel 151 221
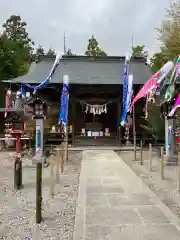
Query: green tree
pixel 69 52
pixel 154 123
pixel 51 52
pixel 6 57
pixel 15 48
pixel 40 51
pixel 169 32
pixel 157 61
pixel 93 48
pixel 15 30
pixel 12 61
pixel 139 51
pixel 169 36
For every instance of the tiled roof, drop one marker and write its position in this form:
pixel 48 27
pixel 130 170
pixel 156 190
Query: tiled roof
pixel 88 70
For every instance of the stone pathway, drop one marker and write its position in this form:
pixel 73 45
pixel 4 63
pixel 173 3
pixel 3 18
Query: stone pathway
pixel 113 203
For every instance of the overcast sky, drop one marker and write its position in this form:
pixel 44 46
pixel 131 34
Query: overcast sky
pixel 113 22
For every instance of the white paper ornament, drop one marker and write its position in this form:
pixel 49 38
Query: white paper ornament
pixel 105 110
pixel 96 109
pixel 86 109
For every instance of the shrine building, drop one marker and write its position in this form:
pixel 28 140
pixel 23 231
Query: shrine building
pixel 95 94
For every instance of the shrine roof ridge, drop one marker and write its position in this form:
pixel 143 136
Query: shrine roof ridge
pixel 91 58
pixel 87 70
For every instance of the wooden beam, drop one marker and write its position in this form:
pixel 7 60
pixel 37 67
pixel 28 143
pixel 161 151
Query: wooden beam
pixel 73 120
pixel 11 110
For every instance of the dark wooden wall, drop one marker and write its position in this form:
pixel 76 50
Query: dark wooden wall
pixel 80 92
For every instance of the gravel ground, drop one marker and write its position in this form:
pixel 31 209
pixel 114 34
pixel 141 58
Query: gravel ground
pixel 17 208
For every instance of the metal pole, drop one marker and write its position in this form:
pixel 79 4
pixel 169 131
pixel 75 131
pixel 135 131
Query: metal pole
pixel 141 152
pixel 150 157
pixel 134 133
pixel 39 157
pixel 18 164
pixel 162 163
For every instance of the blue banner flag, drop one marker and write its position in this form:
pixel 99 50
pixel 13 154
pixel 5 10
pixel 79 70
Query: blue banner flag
pixel 63 116
pixel 45 82
pixel 125 89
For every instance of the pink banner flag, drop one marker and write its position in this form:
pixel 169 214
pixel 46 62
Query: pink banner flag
pixel 177 71
pixel 176 105
pixel 152 83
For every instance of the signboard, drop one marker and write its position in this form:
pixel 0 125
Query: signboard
pixel 38 139
pixel 39 142
pixel 169 137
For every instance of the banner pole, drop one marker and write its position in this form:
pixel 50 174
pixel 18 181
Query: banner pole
pixel 134 133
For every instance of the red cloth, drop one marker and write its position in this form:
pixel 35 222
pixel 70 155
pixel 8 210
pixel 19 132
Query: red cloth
pixel 177 140
pixel 7 102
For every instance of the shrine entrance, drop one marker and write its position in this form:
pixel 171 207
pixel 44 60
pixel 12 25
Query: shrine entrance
pixel 97 122
pixel 101 120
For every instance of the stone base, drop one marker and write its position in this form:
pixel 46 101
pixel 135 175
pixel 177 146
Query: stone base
pixel 128 143
pixel 171 160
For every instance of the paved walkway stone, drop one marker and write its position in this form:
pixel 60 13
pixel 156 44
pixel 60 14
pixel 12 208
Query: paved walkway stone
pixel 113 203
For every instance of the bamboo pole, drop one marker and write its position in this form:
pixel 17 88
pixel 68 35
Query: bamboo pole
pixel 66 145
pixel 62 151
pixel 57 165
pixel 1 146
pixel 150 157
pixel 141 152
pixel 179 172
pixel 52 185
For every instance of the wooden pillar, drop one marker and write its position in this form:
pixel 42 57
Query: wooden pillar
pixel 73 102
pixel 2 105
pixel 118 119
